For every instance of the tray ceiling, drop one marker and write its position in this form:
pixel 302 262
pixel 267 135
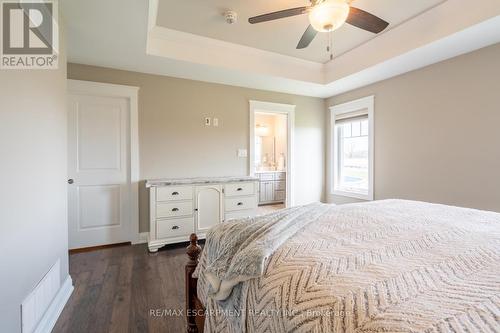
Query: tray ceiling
pixel 204 18
pixel 124 34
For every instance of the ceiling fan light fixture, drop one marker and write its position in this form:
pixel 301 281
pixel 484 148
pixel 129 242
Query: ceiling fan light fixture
pixel 329 15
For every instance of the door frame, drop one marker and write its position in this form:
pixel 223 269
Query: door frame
pixel 289 111
pixel 130 93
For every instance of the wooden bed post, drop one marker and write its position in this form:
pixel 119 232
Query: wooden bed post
pixel 193 251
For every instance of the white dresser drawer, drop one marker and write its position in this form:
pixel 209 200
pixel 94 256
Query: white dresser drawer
pixel 242 203
pixel 239 214
pixel 280 176
pixel 174 227
pixel 174 209
pixel 280 185
pixel 279 195
pixel 266 176
pixel 239 189
pixel 171 193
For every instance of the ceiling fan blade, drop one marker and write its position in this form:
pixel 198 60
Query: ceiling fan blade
pixel 366 21
pixel 307 37
pixel 278 15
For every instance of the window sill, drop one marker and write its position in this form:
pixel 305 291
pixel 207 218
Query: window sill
pixel 355 195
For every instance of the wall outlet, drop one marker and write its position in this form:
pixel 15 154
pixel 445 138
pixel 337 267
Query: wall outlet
pixel 207 121
pixel 242 153
pixel 215 122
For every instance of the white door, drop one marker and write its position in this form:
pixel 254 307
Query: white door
pixel 98 170
pixel 208 206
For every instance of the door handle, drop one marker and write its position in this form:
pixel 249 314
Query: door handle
pixel 175 209
pixel 175 193
pixel 175 227
pixel 240 203
pixel 239 189
pixel 70 181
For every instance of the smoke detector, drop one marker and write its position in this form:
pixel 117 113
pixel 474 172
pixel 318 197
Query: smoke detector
pixel 231 17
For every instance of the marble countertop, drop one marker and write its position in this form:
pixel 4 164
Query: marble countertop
pixel 199 180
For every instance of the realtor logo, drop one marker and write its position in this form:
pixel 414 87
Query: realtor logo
pixel 29 35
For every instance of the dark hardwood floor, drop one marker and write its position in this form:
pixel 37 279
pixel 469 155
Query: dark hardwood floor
pixel 118 289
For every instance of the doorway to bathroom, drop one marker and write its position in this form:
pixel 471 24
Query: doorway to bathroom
pixel 271 135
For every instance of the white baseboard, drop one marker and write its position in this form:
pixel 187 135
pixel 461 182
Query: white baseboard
pixel 50 317
pixel 143 238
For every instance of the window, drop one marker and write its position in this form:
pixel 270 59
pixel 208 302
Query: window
pixel 352 162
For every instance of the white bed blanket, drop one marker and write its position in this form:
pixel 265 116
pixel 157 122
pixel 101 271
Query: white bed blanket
pixel 384 266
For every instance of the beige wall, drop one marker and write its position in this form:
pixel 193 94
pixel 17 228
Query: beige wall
pixel 175 143
pixel 437 132
pixel 33 215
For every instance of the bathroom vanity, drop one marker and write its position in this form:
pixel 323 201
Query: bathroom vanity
pixel 272 187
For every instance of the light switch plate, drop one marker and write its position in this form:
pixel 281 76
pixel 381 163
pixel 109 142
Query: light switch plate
pixel 207 121
pixel 215 122
pixel 242 153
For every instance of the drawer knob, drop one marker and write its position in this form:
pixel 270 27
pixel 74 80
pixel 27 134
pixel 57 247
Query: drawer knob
pixel 239 189
pixel 175 193
pixel 175 209
pixel 175 227
pixel 240 203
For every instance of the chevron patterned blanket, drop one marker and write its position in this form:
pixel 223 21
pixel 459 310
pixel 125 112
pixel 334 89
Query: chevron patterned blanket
pixel 383 266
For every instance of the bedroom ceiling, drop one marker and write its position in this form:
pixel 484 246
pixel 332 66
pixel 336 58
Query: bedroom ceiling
pixel 204 18
pixel 128 35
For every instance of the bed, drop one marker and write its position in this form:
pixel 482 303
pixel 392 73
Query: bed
pixel 382 266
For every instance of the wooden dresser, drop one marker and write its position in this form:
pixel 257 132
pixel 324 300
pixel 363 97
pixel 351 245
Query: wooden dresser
pixel 179 207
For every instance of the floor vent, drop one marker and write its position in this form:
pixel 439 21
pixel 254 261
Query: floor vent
pixel 38 301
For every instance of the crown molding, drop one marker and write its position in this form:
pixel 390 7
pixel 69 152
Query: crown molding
pixel 197 49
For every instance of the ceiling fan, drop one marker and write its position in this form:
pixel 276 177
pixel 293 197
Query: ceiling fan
pixel 327 16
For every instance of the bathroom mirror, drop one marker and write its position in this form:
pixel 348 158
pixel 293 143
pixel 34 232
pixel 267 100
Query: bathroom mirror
pixel 270 142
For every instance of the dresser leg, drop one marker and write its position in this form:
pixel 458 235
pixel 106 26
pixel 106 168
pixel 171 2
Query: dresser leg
pixel 153 249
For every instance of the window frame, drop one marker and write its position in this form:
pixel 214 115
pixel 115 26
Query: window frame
pixel 366 103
